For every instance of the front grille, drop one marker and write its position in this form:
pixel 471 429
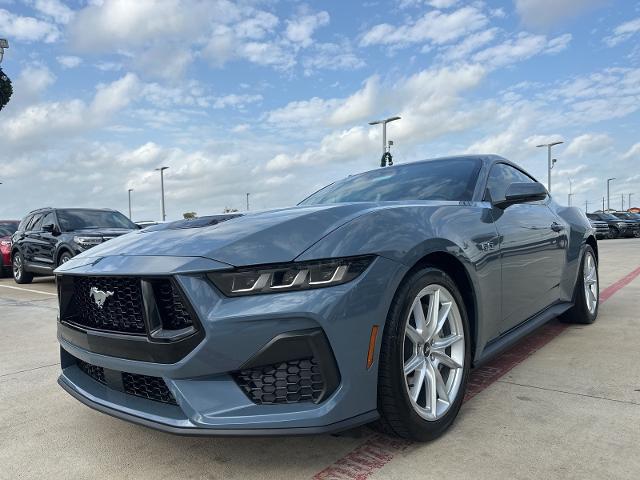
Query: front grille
pixel 145 386
pixel 173 311
pixel 121 312
pixel 286 382
pixel 123 306
pixel 95 372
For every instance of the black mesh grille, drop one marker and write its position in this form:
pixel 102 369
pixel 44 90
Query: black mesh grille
pixel 97 373
pixel 286 382
pixel 121 312
pixel 152 388
pixel 173 311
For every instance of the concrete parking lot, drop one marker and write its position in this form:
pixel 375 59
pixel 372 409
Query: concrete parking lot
pixel 565 403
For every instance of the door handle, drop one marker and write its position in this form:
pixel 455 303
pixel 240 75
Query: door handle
pixel 556 227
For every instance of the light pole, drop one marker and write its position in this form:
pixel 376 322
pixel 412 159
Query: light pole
pixel 586 206
pixel 570 192
pixel 384 134
pixel 622 202
pixel 4 43
pixel 608 182
pixel 247 202
pixel 161 170
pixel 550 162
pixel 130 190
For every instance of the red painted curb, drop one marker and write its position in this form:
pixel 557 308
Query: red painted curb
pixel 378 450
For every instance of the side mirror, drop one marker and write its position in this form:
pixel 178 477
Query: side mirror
pixel 522 192
pixel 51 228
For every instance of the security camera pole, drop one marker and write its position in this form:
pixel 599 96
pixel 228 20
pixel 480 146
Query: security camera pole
pixel 384 122
pixel 608 182
pixel 130 190
pixel 161 170
pixel 550 161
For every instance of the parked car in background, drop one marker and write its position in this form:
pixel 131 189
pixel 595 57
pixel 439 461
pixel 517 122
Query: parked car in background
pixel 49 237
pixel 617 226
pixel 601 228
pixel 632 218
pixel 147 223
pixel 7 228
pixel 369 300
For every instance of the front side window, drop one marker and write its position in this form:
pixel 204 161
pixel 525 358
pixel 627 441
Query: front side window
pixel 451 179
pixel 500 177
pixel 34 223
pixel 49 219
pixel 76 219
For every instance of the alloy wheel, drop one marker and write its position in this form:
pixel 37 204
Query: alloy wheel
pixel 17 267
pixel 434 352
pixel 590 277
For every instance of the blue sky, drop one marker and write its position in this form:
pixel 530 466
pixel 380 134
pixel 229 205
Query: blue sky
pixel 273 97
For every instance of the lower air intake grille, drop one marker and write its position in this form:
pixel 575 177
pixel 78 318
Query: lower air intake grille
pixel 286 382
pixel 151 388
pixel 97 373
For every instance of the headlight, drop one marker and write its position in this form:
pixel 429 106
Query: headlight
pixel 88 241
pixel 290 277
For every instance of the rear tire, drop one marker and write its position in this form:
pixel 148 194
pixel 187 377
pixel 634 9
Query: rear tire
pixel 587 294
pixel 424 363
pixel 64 258
pixel 614 233
pixel 19 274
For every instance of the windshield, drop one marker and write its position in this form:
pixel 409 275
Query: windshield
pixel 608 216
pixel 71 220
pixel 448 179
pixel 8 229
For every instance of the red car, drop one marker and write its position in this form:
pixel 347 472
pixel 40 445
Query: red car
pixel 7 228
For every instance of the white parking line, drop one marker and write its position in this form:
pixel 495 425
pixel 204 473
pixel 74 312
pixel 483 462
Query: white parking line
pixel 28 290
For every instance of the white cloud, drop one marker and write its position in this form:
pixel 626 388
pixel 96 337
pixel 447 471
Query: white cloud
pixel 54 9
pixel 469 45
pixel 434 26
pixel 50 119
pixel 34 80
pixel 633 152
pixel 27 29
pixel 589 143
pixel 331 56
pixel 236 101
pixel 522 47
pixel 546 13
pixel 623 32
pixel 300 30
pixel 69 61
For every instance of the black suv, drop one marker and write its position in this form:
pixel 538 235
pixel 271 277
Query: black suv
pixel 617 226
pixel 49 237
pixel 634 218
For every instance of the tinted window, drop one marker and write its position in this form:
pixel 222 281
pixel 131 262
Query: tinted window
pixel 34 223
pixel 450 179
pixel 500 177
pixel 25 221
pixel 70 220
pixel 8 229
pixel 608 216
pixel 49 219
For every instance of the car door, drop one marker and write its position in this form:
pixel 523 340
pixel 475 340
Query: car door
pixel 30 240
pixel 44 242
pixel 532 247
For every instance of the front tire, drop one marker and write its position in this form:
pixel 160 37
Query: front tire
pixel 587 295
pixel 64 258
pixel 425 357
pixel 19 274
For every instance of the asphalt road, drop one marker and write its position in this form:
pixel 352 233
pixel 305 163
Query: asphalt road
pixel 563 404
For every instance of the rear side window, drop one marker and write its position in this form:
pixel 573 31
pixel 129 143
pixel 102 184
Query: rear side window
pixel 23 224
pixel 36 223
pixel 500 177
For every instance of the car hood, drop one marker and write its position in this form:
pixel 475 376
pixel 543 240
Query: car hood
pixel 102 232
pixel 242 239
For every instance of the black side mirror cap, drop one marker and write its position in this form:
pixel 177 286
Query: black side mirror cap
pixel 51 228
pixel 522 192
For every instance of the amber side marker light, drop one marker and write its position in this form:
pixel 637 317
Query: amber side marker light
pixel 372 345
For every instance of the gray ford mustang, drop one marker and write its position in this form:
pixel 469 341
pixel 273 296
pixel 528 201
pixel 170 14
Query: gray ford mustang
pixel 370 300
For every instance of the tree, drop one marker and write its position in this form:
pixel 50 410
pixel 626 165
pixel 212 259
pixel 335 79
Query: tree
pixel 190 215
pixel 6 90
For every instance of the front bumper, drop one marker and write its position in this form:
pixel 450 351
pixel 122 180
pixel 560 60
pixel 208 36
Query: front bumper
pixel 204 382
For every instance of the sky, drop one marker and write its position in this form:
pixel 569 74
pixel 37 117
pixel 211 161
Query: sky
pixel 273 97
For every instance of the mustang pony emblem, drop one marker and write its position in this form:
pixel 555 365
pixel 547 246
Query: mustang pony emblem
pixel 99 296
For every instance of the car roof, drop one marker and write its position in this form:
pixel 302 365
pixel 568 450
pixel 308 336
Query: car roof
pixel 9 221
pixel 44 209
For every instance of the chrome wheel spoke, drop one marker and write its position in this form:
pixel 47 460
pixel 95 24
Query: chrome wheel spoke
pixel 414 336
pixel 413 363
pixel 433 314
pixel 446 342
pixel 432 390
pixel 441 386
pixel 418 316
pixel 443 315
pixel 418 382
pixel 446 360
